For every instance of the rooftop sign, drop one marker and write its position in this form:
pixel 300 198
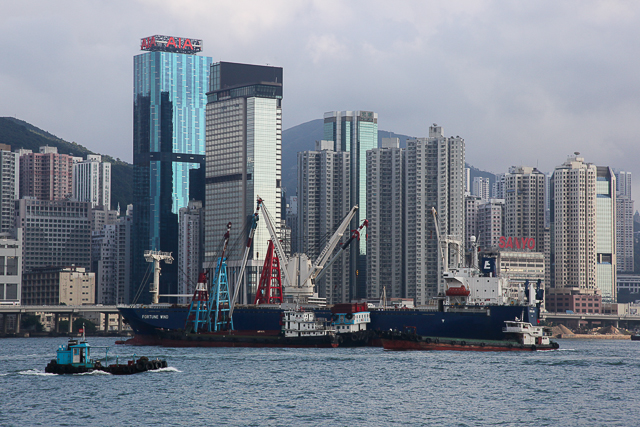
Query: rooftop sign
pixel 171 44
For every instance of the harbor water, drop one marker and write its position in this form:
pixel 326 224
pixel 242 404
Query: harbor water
pixel 585 382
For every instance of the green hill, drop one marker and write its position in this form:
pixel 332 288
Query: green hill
pixel 20 134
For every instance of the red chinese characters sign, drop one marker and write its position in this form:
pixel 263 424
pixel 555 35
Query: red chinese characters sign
pixel 517 243
pixel 171 44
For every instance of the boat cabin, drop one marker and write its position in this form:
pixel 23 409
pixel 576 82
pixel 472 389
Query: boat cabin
pixel 76 354
pixel 526 333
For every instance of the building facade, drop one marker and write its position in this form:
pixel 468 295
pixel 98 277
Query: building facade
pixel 9 188
pixel 355 132
pixel 434 179
pixel 170 84
pixel 385 211
pixel 481 187
pixel 573 218
pixel 55 233
pixel 606 269
pixel 92 181
pixel 324 196
pixel 58 285
pixel 243 159
pixel 490 223
pixel 11 266
pixel 46 175
pixel 624 223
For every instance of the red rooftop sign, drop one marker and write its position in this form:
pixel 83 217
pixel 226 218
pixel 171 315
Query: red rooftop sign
pixel 171 44
pixel 517 243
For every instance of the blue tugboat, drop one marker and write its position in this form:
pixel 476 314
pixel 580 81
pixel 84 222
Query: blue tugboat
pixel 75 358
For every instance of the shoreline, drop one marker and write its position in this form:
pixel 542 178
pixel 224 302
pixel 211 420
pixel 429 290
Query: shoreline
pixel 593 337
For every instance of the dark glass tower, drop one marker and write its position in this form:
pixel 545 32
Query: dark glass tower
pixel 170 85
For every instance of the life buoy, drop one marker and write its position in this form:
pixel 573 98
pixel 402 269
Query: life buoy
pixel 453 342
pixel 437 341
pixel 428 340
pixel 349 316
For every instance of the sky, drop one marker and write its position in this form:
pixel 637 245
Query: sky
pixel 524 83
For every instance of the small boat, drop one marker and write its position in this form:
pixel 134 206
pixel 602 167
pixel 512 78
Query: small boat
pixel 519 336
pixel 75 358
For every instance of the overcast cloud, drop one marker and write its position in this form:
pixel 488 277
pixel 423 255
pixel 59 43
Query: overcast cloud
pixel 522 82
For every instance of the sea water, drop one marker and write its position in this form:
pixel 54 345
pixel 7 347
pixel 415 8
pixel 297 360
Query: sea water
pixel 584 383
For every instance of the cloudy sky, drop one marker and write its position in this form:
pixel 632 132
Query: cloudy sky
pixel 523 82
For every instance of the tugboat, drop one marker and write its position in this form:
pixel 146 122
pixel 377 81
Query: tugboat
pixel 76 358
pixel 519 336
pixel 350 322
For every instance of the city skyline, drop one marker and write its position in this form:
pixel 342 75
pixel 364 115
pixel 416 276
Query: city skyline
pixel 493 87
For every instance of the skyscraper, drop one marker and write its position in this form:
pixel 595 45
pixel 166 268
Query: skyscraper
pixel 92 182
pixel 385 207
pixel 524 191
pixel 170 83
pixel 323 202
pixel 434 178
pixel 606 233
pixel 573 219
pixel 624 222
pixel 355 132
pixel 244 158
pixel 9 188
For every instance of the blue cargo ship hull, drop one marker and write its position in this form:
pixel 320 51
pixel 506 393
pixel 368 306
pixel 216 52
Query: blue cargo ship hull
pixel 455 322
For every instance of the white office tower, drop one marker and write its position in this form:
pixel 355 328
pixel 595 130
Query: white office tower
pixel 9 188
pixel 323 202
pixel 606 233
pixel 111 260
pixel 573 222
pixel 92 181
pixel 471 204
pixel 385 208
pixel 190 247
pixel 624 223
pixel 243 161
pixel 481 188
pixel 434 178
pixel 490 223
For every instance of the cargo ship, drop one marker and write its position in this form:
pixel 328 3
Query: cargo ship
pixel 471 304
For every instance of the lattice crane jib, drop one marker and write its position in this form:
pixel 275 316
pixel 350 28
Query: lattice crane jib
pixel 270 285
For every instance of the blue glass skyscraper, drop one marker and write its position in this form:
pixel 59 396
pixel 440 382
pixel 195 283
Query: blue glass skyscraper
pixel 170 85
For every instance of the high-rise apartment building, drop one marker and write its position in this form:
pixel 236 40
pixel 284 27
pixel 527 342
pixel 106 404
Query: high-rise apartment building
pixel 385 211
pixel 573 219
pixel 490 223
pixel 624 223
pixel 244 158
pixel 324 196
pixel 481 188
pixel 92 181
pixel 9 188
pixel 606 233
pixel 524 191
pixel 191 247
pixel 355 132
pixel 434 178
pixel 471 204
pixel 170 84
pixel 55 233
pixel 497 189
pixel 46 175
